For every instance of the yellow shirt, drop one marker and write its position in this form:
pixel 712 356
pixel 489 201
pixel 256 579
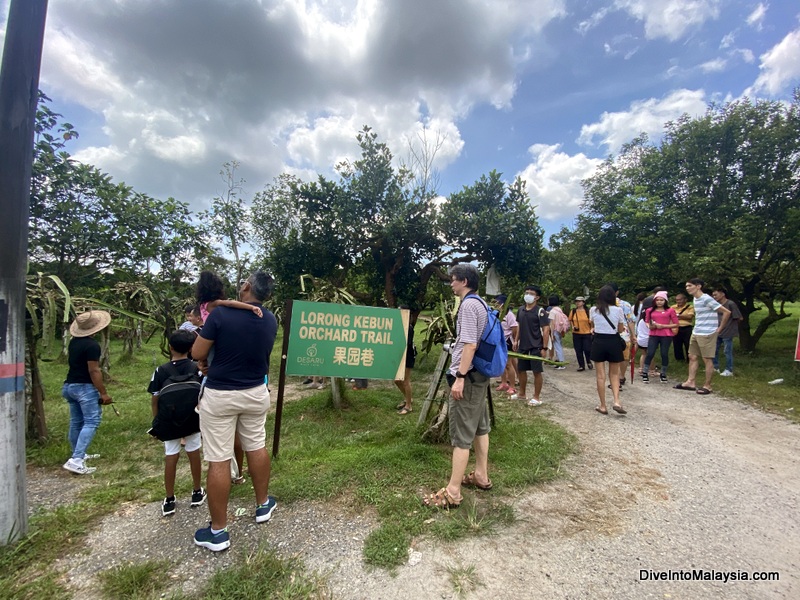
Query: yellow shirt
pixel 685 314
pixel 579 321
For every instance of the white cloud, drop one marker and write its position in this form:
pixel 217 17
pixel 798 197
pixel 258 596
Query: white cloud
pixel 554 180
pixel 756 18
pixel 780 66
pixel 593 21
pixel 183 86
pixel 714 66
pixel 728 41
pixel 649 116
pixel 670 19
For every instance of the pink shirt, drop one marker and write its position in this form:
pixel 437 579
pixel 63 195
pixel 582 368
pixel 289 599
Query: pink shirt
pixel 662 317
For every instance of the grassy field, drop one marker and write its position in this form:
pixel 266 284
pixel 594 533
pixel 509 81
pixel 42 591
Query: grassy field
pixel 364 456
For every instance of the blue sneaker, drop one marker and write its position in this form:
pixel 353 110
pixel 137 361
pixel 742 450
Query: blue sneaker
pixel 214 542
pixel 264 512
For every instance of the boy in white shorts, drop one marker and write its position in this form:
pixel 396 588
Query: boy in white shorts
pixel 179 381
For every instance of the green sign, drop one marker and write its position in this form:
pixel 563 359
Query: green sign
pixel 342 340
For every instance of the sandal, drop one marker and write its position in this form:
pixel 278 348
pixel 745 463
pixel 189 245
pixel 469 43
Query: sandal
pixel 404 411
pixel 600 410
pixel 400 406
pixel 441 499
pixel 703 391
pixel 470 481
pixel 619 409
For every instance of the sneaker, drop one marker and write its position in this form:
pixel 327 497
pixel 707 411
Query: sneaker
pixel 663 378
pixel 716 370
pixel 264 512
pixel 726 373
pixel 168 506
pixel 515 396
pixel 534 402
pixel 90 456
pixel 307 381
pixel 198 497
pixel 645 378
pixel 590 366
pixel 76 465
pixel 214 542
pixel 581 369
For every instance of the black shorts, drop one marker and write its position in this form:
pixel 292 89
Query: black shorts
pixel 534 366
pixel 606 347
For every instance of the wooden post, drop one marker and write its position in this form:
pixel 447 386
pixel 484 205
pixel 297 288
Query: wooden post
pixel 19 91
pixel 433 387
pixel 287 323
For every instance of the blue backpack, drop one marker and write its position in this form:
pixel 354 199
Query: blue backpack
pixel 491 355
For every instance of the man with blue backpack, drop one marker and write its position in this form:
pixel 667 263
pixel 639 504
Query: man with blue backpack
pixel 477 354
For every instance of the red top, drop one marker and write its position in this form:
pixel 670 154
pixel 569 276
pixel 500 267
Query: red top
pixel 662 317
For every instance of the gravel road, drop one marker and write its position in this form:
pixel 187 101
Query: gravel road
pixel 681 483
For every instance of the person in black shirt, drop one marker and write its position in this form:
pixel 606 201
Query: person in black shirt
pixel 235 402
pixel 180 343
pixel 84 389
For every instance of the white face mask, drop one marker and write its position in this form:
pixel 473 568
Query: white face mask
pixel 529 299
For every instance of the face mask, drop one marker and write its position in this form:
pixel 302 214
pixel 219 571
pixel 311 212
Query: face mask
pixel 529 299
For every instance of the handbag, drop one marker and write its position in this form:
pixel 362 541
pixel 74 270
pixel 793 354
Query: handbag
pixel 623 344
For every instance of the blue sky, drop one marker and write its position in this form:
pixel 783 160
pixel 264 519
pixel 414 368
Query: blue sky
pixel 164 92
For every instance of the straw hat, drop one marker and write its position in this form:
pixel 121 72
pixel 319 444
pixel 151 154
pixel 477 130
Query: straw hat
pixel 89 323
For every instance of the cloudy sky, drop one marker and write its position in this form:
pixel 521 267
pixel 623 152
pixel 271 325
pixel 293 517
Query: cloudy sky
pixel 163 92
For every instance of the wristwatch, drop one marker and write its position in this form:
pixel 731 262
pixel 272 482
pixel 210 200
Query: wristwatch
pixel 460 375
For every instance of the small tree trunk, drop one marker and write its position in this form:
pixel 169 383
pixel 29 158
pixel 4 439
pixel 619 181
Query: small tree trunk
pixel 34 393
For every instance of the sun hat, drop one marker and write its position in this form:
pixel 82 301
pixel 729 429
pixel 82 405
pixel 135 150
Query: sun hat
pixel 661 295
pixel 89 323
pixel 581 298
pixel 500 298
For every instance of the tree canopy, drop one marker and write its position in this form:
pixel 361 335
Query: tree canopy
pixel 719 199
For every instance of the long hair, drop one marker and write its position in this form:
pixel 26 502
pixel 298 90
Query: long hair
pixel 209 288
pixel 639 300
pixel 606 297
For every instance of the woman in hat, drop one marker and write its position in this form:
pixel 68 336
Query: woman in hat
pixel 663 323
pixel 84 389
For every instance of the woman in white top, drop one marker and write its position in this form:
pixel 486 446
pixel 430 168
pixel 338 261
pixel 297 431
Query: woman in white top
pixel 608 321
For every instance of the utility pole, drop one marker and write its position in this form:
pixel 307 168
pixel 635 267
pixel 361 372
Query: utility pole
pixel 19 90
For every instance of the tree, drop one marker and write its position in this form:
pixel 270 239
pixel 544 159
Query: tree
pixel 379 232
pixel 718 199
pixel 83 225
pixel 228 219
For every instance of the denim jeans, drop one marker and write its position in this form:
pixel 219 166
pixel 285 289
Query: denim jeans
pixel 84 415
pixel 653 344
pixel 728 349
pixel 558 347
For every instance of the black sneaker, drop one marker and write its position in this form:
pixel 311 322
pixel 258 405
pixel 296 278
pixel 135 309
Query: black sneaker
pixel 198 497
pixel 307 381
pixel 645 378
pixel 663 378
pixel 168 506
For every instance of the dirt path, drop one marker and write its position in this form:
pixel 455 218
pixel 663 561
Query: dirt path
pixel 683 482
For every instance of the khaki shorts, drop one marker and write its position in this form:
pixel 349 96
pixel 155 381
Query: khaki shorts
pixel 469 417
pixel 223 413
pixel 703 345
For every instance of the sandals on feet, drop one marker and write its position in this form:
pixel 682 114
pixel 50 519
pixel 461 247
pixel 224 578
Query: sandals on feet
pixel 703 391
pixel 404 410
pixel 600 410
pixel 619 409
pixel 441 499
pixel 470 481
